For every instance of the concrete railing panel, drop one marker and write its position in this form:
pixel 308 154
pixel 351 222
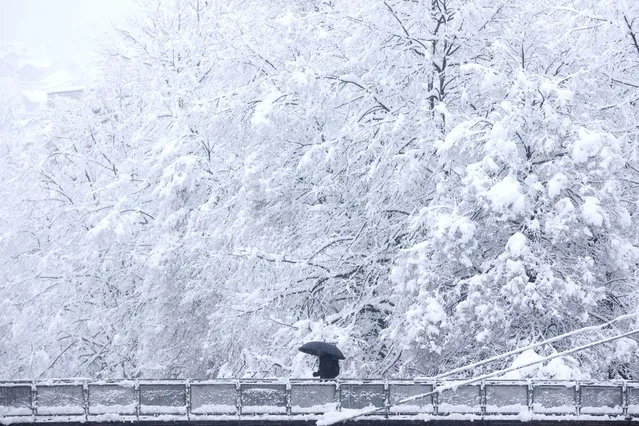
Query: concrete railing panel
pixel 506 399
pixel 60 400
pixel 15 400
pixel 218 398
pixel 362 395
pixel 313 397
pixel 400 391
pixel 554 399
pixel 162 399
pixel 263 398
pixel 463 399
pixel 112 399
pixel 601 400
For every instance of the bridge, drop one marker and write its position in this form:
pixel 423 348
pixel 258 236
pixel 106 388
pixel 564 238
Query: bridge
pixel 302 401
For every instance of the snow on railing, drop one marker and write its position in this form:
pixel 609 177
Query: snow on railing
pixel 192 400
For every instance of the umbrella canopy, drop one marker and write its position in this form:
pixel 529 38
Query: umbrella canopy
pixel 322 348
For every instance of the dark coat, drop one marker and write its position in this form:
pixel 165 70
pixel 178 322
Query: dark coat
pixel 328 367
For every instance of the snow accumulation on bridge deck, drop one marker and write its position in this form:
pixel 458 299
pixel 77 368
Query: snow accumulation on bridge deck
pixel 78 401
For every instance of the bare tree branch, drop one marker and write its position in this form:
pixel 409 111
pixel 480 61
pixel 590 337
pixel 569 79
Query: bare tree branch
pixel 633 34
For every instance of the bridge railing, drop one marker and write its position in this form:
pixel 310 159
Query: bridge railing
pixel 193 399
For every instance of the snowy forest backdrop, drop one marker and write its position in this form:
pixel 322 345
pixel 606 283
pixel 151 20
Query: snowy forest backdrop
pixel 424 182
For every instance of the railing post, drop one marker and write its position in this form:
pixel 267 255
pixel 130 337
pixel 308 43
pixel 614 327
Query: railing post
pixel 85 399
pixel 577 398
pixel 531 397
pixel 482 399
pixel 387 401
pixel 34 399
pixel 136 390
pixel 188 399
pixel 288 398
pixel 435 400
pixel 238 398
pixel 338 395
pixel 624 400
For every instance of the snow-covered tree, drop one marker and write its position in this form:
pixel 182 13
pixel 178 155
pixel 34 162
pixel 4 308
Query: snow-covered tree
pixel 530 233
pixel 424 182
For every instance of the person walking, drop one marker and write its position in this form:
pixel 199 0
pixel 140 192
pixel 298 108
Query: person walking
pixel 329 356
pixel 328 367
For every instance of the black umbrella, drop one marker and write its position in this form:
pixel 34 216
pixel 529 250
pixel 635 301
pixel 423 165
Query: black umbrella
pixel 322 348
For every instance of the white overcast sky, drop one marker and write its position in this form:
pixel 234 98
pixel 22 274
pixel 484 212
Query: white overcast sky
pixel 67 30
